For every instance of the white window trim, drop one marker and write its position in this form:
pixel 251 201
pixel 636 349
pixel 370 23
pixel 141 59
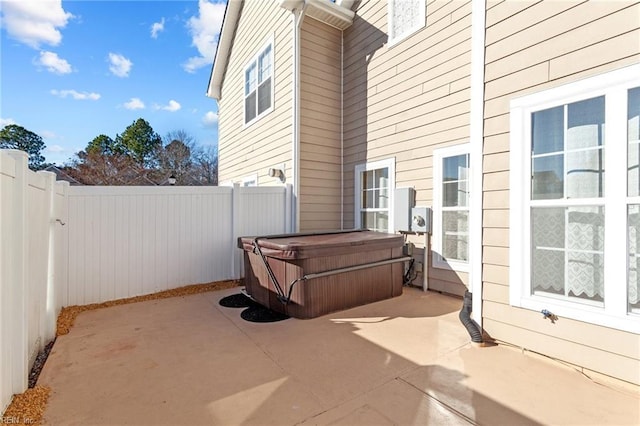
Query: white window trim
pixel 254 60
pixel 389 163
pixel 613 85
pixel 438 155
pixel 392 41
pixel 250 180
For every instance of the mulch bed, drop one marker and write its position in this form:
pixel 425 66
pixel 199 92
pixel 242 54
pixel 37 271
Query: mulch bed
pixel 68 314
pixel 28 407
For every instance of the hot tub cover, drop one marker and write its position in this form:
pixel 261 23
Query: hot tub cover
pixel 305 246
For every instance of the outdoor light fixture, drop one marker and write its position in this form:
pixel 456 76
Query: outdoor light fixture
pixel 273 172
pixel 172 180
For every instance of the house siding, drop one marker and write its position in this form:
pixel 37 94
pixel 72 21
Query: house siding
pixel 320 126
pixel 405 101
pixel 532 46
pixel 248 150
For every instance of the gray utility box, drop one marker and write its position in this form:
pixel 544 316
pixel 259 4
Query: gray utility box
pixel 403 202
pixel 421 219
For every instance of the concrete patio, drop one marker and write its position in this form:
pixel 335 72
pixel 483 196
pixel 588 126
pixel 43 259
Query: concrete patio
pixel 407 360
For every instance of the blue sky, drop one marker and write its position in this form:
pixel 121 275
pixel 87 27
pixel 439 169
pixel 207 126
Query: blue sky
pixel 72 70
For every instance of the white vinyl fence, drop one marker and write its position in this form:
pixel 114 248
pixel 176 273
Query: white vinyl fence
pixel 64 245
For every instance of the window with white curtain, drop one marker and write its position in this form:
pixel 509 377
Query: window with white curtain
pixel 575 211
pixel 374 183
pixel 451 172
pixel 404 17
pixel 258 85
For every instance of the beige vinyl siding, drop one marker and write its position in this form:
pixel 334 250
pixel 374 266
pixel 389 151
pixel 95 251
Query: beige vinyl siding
pixel 406 100
pixel 530 47
pixel 247 150
pixel 320 126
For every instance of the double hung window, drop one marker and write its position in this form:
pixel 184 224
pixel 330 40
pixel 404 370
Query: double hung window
pixel 258 85
pixel 575 207
pixel 374 183
pixel 451 172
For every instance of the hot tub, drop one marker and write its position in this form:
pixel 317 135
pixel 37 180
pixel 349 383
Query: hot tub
pixel 308 275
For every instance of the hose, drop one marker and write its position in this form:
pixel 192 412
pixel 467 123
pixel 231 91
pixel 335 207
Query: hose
pixel 465 318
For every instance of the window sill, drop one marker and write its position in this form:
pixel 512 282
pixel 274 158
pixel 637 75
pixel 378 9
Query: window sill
pixel 439 263
pixel 583 313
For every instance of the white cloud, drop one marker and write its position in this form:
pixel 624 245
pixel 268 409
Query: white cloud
pixel 119 65
pixel 78 96
pixel 53 149
pixel 53 63
pixel 6 121
pixel 34 22
pixel 172 106
pixel 210 119
pixel 204 30
pixel 156 28
pixel 134 103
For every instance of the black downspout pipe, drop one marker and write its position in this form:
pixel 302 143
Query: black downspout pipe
pixel 465 318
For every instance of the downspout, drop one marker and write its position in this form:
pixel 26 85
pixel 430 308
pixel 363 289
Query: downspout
pixel 478 15
pixel 298 17
pixel 342 130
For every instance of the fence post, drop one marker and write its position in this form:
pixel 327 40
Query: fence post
pixel 288 208
pixel 18 295
pixel 48 319
pixel 235 230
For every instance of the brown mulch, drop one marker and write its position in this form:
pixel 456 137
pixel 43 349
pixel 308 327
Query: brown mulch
pixel 68 314
pixel 28 407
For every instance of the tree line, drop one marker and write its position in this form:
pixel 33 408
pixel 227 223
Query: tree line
pixel 137 156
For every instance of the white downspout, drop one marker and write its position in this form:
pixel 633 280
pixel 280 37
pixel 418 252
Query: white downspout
pixel 478 13
pixel 298 16
pixel 342 129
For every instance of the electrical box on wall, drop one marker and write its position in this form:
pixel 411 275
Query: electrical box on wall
pixel 403 202
pixel 421 219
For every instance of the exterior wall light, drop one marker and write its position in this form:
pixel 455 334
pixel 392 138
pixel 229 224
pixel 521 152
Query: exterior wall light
pixel 277 173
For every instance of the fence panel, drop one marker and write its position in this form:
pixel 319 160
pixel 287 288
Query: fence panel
pixel 63 245
pixel 7 262
pixel 131 241
pixel 27 280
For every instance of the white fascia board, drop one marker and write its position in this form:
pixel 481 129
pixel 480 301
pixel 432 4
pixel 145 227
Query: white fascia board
pixel 229 24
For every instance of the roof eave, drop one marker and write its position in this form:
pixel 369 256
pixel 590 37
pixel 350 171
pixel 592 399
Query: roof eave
pixel 227 33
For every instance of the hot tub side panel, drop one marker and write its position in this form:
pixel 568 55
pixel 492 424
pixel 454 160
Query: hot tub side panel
pixel 328 294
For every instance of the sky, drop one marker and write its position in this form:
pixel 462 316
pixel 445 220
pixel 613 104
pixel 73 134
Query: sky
pixel 73 70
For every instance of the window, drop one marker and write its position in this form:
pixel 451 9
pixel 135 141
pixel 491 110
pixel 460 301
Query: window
pixel 451 172
pixel 374 183
pixel 251 180
pixel 258 85
pixel 405 17
pixel 575 213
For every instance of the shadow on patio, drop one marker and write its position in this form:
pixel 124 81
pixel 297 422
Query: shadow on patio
pixel 407 360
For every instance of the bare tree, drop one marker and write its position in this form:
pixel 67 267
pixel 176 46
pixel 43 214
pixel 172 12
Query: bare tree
pixel 96 168
pixel 206 164
pixel 174 157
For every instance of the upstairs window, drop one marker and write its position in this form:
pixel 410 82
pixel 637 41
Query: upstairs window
pixel 405 17
pixel 258 85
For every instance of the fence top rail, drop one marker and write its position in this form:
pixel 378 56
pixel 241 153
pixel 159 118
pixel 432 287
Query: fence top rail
pixel 90 190
pixel 97 190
